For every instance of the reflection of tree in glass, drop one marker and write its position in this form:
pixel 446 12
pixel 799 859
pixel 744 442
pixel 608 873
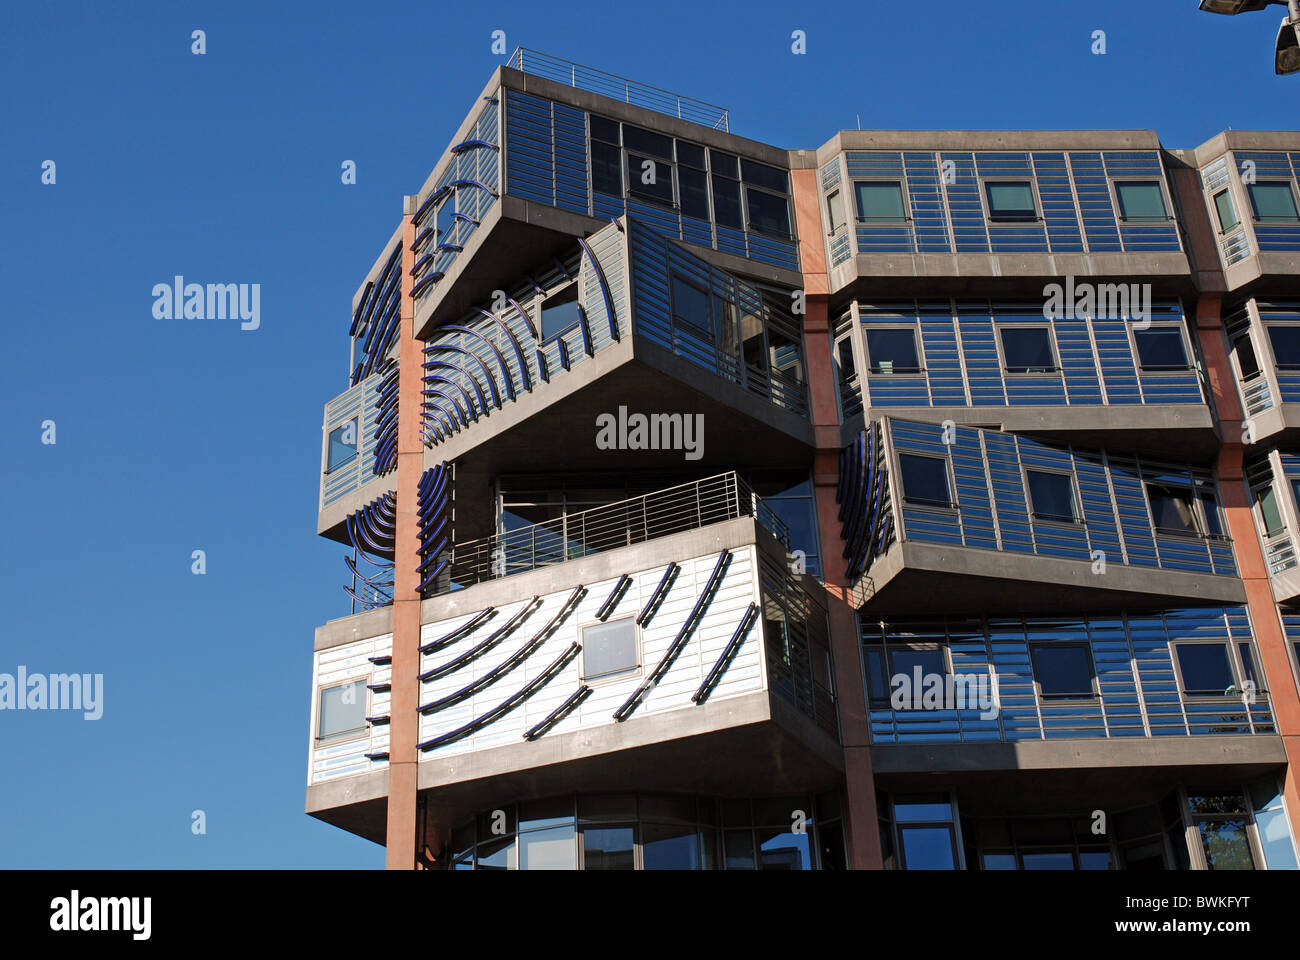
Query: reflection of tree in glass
pixel 1225 844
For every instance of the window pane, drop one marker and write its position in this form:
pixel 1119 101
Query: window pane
pixel 1269 511
pixel 545 813
pixel 553 849
pixel 844 354
pixel 690 154
pixel 606 169
pixel 892 351
pixel 922 809
pixel 694 188
pixel 927 848
pixel 831 838
pixel 782 850
pixel 1094 860
pixel 1011 201
pixel 646 141
pixel 1286 346
pixel 739 849
pixel 1245 352
pixel 768 212
pixel 726 202
pixel 925 479
pixel 1225 844
pixel 1205 667
pixel 342 445
pixel 1227 214
pixel 1027 349
pixel 1225 801
pixel 835 210
pixel 343 709
pixel 1062 860
pixel 666 847
pixel 1141 201
pixel 1145 857
pixel 691 308
pixel 1063 670
pixel 560 313
pixel 724 163
pixel 879 200
pixel 607 848
pixel 447 220
pixel 1275 838
pixel 608 648
pixel 1000 861
pixel 1161 349
pixel 1171 508
pixel 1210 509
pixel 877 678
pixel 649 177
pixel 497 854
pixel 1051 495
pixel 1273 201
pixel 906 662
pixel 602 129
pixel 764 176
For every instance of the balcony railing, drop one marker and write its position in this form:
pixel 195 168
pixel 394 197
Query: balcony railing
pixel 619 88
pixel 687 506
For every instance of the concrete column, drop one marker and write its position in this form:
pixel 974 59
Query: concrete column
pixel 402 754
pixel 861 818
pixel 1270 637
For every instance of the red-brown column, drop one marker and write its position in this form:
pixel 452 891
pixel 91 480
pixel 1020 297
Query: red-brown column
pixel 401 840
pixel 1269 635
pixel 863 831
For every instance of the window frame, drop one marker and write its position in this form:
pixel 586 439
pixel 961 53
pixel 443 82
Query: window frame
pixel 712 335
pixel 343 736
pixel 539 303
pixel 1094 684
pixel 1234 666
pixel 1193 486
pixel 1133 332
pixel 872 369
pixel 327 467
pixel 835 195
pixel 1218 211
pixel 1268 327
pixel 1054 371
pixel 745 187
pixel 1254 207
pixel 1075 501
pixel 621 675
pixel 987 201
pixel 951 506
pixel 1159 183
pixel 901 184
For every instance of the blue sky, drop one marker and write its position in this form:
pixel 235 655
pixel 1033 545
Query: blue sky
pixel 177 435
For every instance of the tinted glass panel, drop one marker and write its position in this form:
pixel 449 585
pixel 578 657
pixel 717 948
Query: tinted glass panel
pixel 920 810
pixel 739 849
pixel 602 129
pixel 666 847
pixel 1171 508
pixel 1063 670
pixel 780 850
pixel 691 308
pixel 553 849
pixel 1269 511
pixel 724 163
pixel 690 154
pixel 1011 201
pixel 497 854
pixel 694 188
pixel 1062 860
pixel 835 210
pixel 606 169
pixel 1051 495
pixel 1000 861
pixel 343 709
pixel 342 445
pixel 1161 349
pixel 1146 857
pixel 608 648
pixel 892 351
pixel 764 176
pixel 879 200
pixel 1273 201
pixel 1094 860
pixel 1225 844
pixel 646 141
pixel 1286 346
pixel 560 313
pixel 1210 509
pixel 1141 201
pixel 1027 349
pixel 1205 667
pixel 1245 352
pixel 726 202
pixel 925 479
pixel 649 177
pixel 1227 213
pixel 768 212
pixel 607 848
pixel 927 848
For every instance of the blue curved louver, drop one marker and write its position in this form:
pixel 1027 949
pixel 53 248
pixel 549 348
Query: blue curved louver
pixel 376 321
pixel 471 144
pixel 371 532
pixel 434 512
pixel 386 420
pixel 861 494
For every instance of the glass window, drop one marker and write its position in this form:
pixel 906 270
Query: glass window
pixel 342 710
pixel 844 357
pixel 726 202
pixel 694 187
pixel 560 313
pixel 609 648
pixel 1245 352
pixel 768 212
pixel 1011 200
pixel 726 164
pixel 1225 844
pixel 1227 212
pixel 606 168
pixel 1063 670
pixel 1146 857
pixel 760 174
pixel 550 849
pixel 607 848
pixel 1000 861
pixel 835 211
pixel 928 848
pixel 1269 511
pixel 880 200
pixel 648 177
pixel 1210 510
pixel 447 220
pixel 1271 822
pixel 1027 349
pixel 1095 860
pixel 1171 509
pixel 922 808
pixel 342 445
pixel 739 849
pixel 1286 346
pixel 1205 667
pixel 905 663
pixel 497 854
pixel 1161 348
pixel 925 479
pixel 1051 496
pixel 669 847
pixel 1273 202
pixel 691 308
pixel 602 129
pixel 1049 860
pixel 892 351
pixel 783 850
pixel 1141 200
pixel 690 154
pixel 647 141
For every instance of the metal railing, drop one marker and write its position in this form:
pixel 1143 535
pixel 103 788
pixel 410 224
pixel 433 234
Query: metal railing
pixel 686 506
pixel 619 88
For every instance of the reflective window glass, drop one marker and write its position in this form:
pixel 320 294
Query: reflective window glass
pixel 925 479
pixel 1027 349
pixel 892 351
pixel 1011 200
pixel 1286 346
pixel 1161 348
pixel 1205 667
pixel 1274 202
pixel 1141 200
pixel 1051 496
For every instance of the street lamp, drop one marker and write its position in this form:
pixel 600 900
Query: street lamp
pixel 1287 58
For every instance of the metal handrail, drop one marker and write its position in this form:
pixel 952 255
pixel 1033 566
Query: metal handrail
pixel 619 88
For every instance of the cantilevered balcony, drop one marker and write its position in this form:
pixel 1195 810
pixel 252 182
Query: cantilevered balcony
pixel 1274 481
pixel 1264 344
pixel 999 523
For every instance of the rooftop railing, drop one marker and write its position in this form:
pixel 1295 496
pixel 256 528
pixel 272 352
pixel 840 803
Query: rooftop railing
pixel 686 506
pixel 619 88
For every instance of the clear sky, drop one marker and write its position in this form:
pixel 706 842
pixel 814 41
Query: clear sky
pixel 182 435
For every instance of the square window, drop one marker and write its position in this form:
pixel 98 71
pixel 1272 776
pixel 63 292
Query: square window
pixel 1161 348
pixel 1011 200
pixel 880 201
pixel 892 351
pixel 690 307
pixel 1227 212
pixel 1063 670
pixel 342 445
pixel 1027 349
pixel 1206 669
pixel 1051 496
pixel 1286 346
pixel 650 178
pixel 1141 200
pixel 927 848
pixel 609 648
pixel 1171 509
pixel 342 710
pixel 560 313
pixel 767 212
pixel 925 480
pixel 1274 202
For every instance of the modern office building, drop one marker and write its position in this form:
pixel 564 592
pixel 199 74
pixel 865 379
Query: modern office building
pixel 924 499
